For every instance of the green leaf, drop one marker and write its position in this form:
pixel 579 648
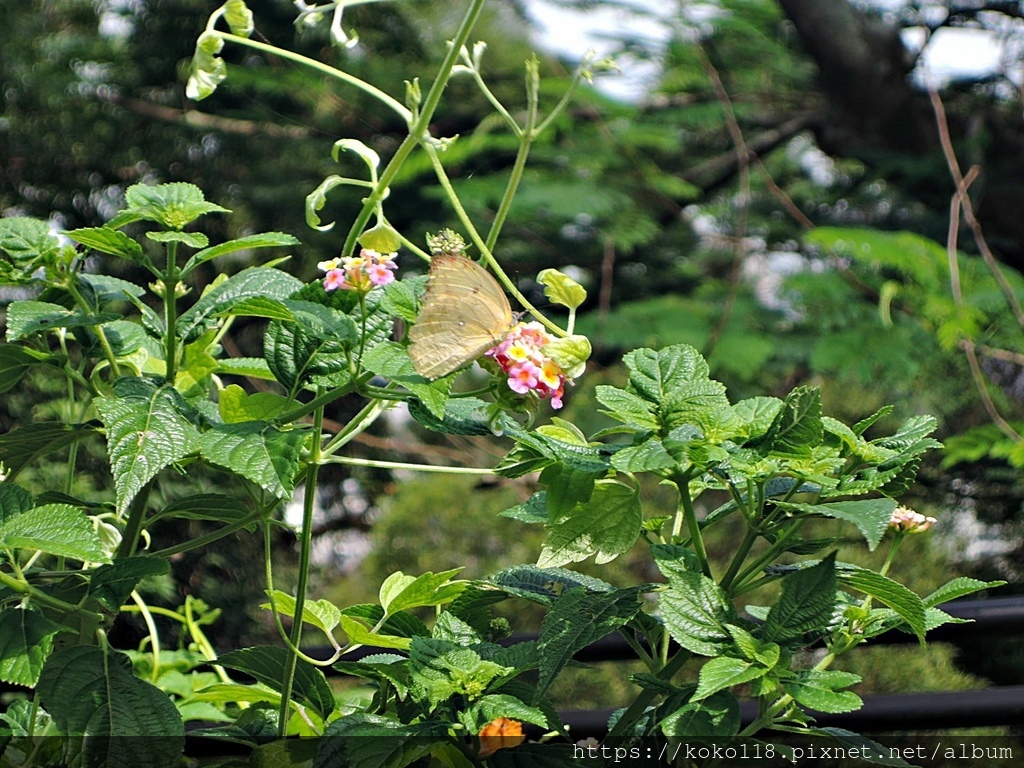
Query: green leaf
pixel 695 609
pixel 724 672
pixel 255 282
pixel 464 416
pixel 533 510
pixel 109 241
pixel 27 240
pixel 235 405
pixel 495 705
pixel 819 690
pixel 401 298
pixel 561 289
pixel 22 446
pixel 13 501
pixel 576 619
pixel 374 741
pixel 146 432
pixel 26 639
pixel 656 375
pixel 871 516
pixel 806 604
pixel 797 428
pixel 106 714
pixel 57 529
pixel 390 359
pixel 15 362
pixel 951 590
pixel 715 718
pixel 400 592
pixel 648 456
pixel 757 414
pixel 545 585
pixel 112 584
pixel 607 525
pixel 204 506
pixel 173 205
pixel 267 664
pixel 626 407
pixel 190 239
pixel 358 633
pixel 440 669
pixel 906 603
pixel 388 667
pixel 322 614
pixel 250 367
pixel 25 318
pixel 258 452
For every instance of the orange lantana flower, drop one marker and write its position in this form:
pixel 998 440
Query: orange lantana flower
pixel 500 733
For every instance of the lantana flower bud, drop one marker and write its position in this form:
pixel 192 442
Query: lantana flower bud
pixel 521 356
pixel 908 521
pixel 359 273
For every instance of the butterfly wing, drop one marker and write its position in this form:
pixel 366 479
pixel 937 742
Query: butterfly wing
pixel 464 313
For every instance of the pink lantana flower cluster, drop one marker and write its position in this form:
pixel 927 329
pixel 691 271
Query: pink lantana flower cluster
pixel 521 357
pixel 359 273
pixel 908 521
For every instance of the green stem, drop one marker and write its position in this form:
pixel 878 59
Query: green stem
pixel 693 525
pixel 624 726
pixel 419 129
pixel 320 400
pixel 108 352
pixel 209 538
pixel 170 283
pixel 381 464
pixel 766 557
pixel 41 598
pixel 136 518
pixel 154 636
pixel 324 69
pixel 737 560
pixel 305 542
pixel 359 424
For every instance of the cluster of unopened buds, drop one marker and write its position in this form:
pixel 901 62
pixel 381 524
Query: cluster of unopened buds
pixel 521 357
pixel 359 273
pixel 908 521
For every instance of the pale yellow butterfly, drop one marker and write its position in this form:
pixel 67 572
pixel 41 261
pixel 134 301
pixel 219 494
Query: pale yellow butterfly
pixel 465 312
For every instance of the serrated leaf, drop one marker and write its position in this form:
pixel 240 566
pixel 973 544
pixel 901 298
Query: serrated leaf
pixel 250 367
pixel 27 240
pixel 724 672
pixel 107 715
pixel 627 407
pixel 112 584
pixel 205 506
pixel 797 428
pixel 576 619
pixel 533 510
pixel 959 587
pixel 380 666
pixel 695 610
pixel 819 690
pixel 401 297
pixel 267 664
pixel 463 416
pixel 146 432
pixel 247 284
pixel 390 359
pixel 57 529
pixel 374 741
pixel 716 717
pixel 193 240
pixel 235 405
pixel 654 375
pixel 905 602
pixel 871 516
pixel 174 205
pixel 495 705
pixel 110 241
pixel 258 452
pixel 13 501
pixel 806 604
pixel 26 639
pixel 606 526
pixel 648 456
pixel 15 362
pixel 24 445
pixel 544 585
pixel 27 317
